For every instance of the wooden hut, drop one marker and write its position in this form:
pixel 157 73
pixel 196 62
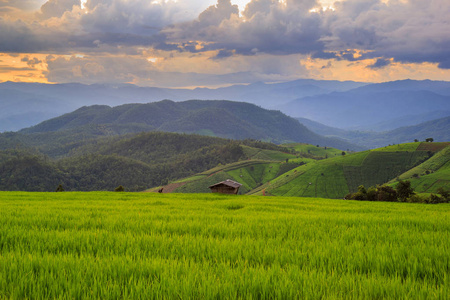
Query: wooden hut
pixel 226 187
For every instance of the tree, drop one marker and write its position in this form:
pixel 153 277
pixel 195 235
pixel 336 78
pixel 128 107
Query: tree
pixel 444 193
pixel 372 194
pixel 386 193
pixel 361 194
pixel 429 140
pixel 119 189
pixel 343 153
pixel 59 188
pixel 404 190
pixel 416 140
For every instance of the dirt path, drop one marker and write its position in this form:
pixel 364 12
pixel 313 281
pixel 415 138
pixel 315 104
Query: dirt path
pixel 173 186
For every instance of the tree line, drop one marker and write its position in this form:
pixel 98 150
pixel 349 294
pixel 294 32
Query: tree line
pixel 403 192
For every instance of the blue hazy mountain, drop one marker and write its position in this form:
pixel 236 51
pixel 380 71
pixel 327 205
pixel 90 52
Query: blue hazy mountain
pixel 26 104
pixel 376 107
pixel 437 129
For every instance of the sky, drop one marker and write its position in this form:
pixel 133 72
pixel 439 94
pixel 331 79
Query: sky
pixel 207 43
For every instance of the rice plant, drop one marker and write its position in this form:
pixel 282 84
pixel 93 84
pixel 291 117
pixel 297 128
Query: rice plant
pixel 205 246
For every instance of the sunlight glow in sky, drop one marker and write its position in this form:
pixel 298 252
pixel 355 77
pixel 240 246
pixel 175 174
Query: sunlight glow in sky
pixel 189 43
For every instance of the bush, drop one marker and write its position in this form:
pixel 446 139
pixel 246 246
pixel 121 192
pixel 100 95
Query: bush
pixel 119 189
pixel 416 199
pixel 435 199
pixel 444 193
pixel 404 190
pixel 386 193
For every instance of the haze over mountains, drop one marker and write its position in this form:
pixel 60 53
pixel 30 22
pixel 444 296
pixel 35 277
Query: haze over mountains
pixel 437 129
pixel 353 111
pixel 26 104
pixel 377 107
pixel 226 119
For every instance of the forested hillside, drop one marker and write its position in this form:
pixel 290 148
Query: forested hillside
pixel 236 120
pixel 136 161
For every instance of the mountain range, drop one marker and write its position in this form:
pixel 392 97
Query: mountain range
pixel 226 119
pixel 349 105
pixel 26 104
pixel 376 107
pixel 437 129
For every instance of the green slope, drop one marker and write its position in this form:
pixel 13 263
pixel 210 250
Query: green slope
pixel 261 166
pixel 135 161
pixel 337 176
pixel 431 175
pixel 227 119
pixel 314 150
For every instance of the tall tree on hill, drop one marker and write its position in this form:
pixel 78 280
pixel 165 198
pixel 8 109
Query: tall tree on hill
pixel 404 190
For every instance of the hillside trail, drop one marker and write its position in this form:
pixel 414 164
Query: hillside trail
pixel 172 187
pixel 167 188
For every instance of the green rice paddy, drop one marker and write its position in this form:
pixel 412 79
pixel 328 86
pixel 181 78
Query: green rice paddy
pixel 206 246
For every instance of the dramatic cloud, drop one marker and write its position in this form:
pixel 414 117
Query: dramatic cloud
pixel 56 8
pixel 266 26
pixel 160 42
pixel 411 31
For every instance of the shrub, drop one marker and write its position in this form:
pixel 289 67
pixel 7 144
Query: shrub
pixel 404 190
pixel 372 194
pixel 444 193
pixel 119 189
pixel 434 199
pixel 386 193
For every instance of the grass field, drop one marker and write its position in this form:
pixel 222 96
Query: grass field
pixel 336 176
pixel 432 174
pixel 322 152
pixel 205 246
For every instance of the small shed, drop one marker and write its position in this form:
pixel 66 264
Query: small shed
pixel 226 187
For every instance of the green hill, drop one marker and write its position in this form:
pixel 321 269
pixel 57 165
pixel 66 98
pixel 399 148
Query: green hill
pixel 136 162
pixel 337 176
pixel 318 172
pixel 314 150
pixel 261 166
pixel 432 174
pixel 227 119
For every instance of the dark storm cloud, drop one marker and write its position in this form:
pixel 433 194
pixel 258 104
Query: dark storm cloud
pixel 61 26
pixel 18 36
pixel 380 63
pixel 269 27
pixel 413 31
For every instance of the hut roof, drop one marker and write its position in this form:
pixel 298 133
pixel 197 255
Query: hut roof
pixel 227 182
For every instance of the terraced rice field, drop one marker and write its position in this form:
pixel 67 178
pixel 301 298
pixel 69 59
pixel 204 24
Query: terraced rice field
pixel 204 246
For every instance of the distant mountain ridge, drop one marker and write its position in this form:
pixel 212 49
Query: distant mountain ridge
pixel 228 119
pixel 437 129
pixel 349 105
pixel 51 100
pixel 363 109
